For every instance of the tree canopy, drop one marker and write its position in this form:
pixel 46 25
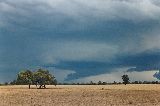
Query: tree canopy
pixel 40 77
pixel 125 79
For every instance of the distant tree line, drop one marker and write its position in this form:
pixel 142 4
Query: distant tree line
pixel 91 83
pixel 42 77
pixel 110 83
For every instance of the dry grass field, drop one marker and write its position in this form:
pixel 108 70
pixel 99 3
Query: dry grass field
pixel 81 95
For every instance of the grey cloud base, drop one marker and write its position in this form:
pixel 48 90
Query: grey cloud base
pixel 89 38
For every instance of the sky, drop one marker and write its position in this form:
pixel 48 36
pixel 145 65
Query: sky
pixel 80 40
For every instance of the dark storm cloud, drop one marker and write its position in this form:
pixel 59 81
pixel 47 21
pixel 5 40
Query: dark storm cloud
pixel 145 61
pixel 89 38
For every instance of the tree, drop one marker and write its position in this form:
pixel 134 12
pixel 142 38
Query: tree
pixel 136 82
pixel 99 82
pixel 125 79
pixel 25 77
pixel 6 83
pixel 42 77
pixel 114 82
pixel 91 83
pixel 13 82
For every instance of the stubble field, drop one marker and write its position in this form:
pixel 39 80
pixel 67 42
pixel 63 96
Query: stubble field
pixel 81 95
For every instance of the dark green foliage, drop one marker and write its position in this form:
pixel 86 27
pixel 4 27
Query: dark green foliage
pixel 92 83
pixel 24 77
pixel 125 79
pixel 114 82
pixel 99 82
pixel 43 77
pixel 136 82
pixel 6 83
pixel 13 82
pixel 40 77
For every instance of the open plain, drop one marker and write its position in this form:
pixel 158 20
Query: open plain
pixel 81 95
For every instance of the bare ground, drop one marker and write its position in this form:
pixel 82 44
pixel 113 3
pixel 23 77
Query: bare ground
pixel 81 95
